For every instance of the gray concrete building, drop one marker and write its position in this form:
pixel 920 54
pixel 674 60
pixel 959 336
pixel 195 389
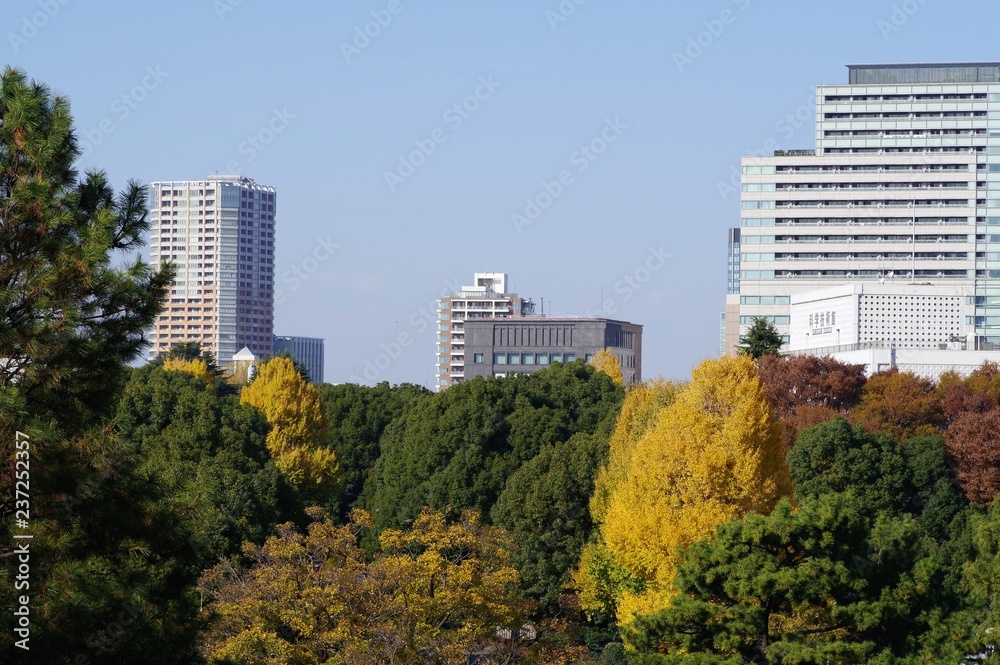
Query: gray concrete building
pixel 306 350
pixel 504 347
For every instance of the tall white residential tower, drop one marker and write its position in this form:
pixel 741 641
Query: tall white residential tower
pixel 219 235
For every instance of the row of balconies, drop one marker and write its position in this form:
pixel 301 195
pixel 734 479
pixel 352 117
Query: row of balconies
pixel 869 240
pixel 947 203
pixel 870 186
pixel 875 221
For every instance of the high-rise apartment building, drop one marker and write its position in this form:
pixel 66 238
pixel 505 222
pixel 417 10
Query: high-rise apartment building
pixel 219 235
pixel 486 299
pixel 902 188
pixel 307 350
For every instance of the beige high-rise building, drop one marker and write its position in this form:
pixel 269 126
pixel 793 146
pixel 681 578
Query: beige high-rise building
pixel 219 235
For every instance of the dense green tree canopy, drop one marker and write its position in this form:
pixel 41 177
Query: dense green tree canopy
pixel 211 454
pixel 824 583
pixel 358 417
pixel 458 448
pixel 543 507
pixel 912 477
pixel 835 456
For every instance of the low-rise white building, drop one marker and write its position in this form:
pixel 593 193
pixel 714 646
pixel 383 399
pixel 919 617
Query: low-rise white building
pixel 903 316
pixel 921 328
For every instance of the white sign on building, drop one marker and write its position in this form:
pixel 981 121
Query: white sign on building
pixel 914 316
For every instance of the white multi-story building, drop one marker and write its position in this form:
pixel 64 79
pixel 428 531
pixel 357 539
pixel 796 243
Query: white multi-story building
pixel 486 299
pixel 914 328
pixel 219 235
pixel 880 315
pixel 903 188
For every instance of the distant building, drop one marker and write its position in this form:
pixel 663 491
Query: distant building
pixel 486 299
pixel 914 316
pixel 503 347
pixel 919 328
pixel 307 350
pixel 219 235
pixel 901 186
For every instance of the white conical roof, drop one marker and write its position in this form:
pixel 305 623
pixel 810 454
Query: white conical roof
pixel 245 354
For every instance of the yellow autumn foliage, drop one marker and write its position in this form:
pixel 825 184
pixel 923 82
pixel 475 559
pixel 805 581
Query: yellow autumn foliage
pixel 196 367
pixel 433 594
pixel 607 362
pixel 714 455
pixel 640 411
pixel 299 426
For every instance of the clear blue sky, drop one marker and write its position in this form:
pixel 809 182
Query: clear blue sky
pixel 201 77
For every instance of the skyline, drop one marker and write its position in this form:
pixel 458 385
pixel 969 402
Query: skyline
pixel 401 174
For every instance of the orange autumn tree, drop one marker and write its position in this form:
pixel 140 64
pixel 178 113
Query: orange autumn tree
pixel 299 427
pixel 973 442
pixel 807 390
pixel 714 455
pixel 900 404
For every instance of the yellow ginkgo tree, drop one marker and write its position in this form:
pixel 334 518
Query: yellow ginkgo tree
pixel 196 367
pixel 712 455
pixel 435 593
pixel 607 362
pixel 299 427
pixel 600 579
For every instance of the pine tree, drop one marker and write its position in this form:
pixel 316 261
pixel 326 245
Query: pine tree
pixel 111 569
pixel 762 339
pixel 69 318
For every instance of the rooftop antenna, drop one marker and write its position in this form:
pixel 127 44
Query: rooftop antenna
pixel 543 308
